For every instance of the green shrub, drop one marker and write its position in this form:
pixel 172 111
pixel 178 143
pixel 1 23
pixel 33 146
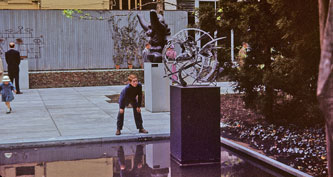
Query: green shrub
pixel 280 70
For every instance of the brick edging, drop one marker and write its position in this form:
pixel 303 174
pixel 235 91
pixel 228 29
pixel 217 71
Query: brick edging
pixel 81 78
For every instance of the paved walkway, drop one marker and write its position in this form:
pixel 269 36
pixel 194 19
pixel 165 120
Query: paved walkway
pixel 63 115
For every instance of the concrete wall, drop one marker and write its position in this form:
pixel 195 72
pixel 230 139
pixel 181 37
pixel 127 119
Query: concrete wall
pixel 53 42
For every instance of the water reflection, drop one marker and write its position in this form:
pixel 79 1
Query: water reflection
pixel 213 170
pixel 134 168
pixel 118 160
pixel 236 165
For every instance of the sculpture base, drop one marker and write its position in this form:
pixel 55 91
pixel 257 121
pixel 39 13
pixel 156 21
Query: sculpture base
pixel 157 88
pixel 183 163
pixel 213 170
pixel 154 157
pixel 24 74
pixel 195 124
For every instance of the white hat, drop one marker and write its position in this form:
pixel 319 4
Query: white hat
pixel 5 79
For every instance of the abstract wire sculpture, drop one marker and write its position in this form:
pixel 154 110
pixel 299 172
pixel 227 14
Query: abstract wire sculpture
pixel 186 63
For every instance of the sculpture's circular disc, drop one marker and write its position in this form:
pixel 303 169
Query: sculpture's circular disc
pixel 186 60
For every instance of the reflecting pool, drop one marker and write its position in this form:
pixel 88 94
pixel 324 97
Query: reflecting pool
pixel 148 159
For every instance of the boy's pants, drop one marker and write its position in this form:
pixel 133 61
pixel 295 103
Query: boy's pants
pixel 137 118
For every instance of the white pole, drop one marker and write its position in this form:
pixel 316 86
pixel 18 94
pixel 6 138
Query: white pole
pixel 215 32
pixel 232 46
pixel 215 7
pixel 197 35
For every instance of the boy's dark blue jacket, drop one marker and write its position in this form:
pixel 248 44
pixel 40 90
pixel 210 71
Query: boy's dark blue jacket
pixel 128 95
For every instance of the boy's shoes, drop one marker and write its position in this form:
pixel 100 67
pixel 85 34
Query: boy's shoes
pixel 142 130
pixel 9 110
pixel 118 132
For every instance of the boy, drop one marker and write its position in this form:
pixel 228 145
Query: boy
pixel 128 95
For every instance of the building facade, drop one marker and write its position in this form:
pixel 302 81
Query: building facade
pixel 86 4
pixel 19 4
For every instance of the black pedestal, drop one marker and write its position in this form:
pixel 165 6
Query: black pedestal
pixel 195 124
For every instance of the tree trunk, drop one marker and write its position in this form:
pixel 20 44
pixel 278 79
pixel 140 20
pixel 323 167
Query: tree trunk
pixel 269 98
pixel 327 107
pixel 325 78
pixel 323 8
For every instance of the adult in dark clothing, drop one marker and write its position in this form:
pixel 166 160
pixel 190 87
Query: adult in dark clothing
pixel 13 60
pixel 131 94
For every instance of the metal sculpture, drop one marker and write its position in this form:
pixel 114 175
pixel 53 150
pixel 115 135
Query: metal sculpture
pixel 190 63
pixel 157 30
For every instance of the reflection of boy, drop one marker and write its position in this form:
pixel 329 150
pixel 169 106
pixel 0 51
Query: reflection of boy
pixel 138 167
pixel 131 94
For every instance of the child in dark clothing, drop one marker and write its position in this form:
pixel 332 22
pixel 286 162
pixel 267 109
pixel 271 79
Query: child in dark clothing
pixel 7 89
pixel 129 96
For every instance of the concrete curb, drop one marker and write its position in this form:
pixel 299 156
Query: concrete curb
pixel 262 158
pixel 83 140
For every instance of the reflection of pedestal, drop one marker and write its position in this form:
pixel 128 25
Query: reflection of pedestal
pixel 158 157
pixel 24 74
pixel 157 89
pixel 212 170
pixel 195 124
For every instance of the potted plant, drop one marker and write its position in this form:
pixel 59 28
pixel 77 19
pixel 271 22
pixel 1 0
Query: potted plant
pixel 128 42
pixel 130 57
pixel 118 56
pixel 133 40
pixel 117 44
pixel 142 41
pixel 117 61
pixel 138 55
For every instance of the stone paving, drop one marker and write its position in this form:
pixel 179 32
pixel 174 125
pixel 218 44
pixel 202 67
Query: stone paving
pixel 71 113
pixel 74 114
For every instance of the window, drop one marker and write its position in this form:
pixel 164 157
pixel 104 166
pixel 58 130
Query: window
pixel 148 4
pixel 132 4
pixel 24 171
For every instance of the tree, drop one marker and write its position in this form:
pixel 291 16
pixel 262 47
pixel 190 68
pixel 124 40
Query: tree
pixel 298 24
pixel 325 79
pixel 254 24
pixel 278 77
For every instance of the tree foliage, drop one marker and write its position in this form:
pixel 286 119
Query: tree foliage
pixel 279 75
